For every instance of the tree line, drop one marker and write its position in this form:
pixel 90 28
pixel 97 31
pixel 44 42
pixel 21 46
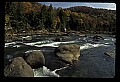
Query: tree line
pixel 27 16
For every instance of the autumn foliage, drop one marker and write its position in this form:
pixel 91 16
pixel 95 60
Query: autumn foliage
pixel 23 16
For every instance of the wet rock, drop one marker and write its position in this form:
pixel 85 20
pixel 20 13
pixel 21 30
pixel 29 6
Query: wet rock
pixel 72 34
pixel 66 38
pixel 69 53
pixel 57 39
pixel 27 38
pixel 19 39
pixel 65 34
pixel 56 64
pixel 110 54
pixel 35 59
pixel 97 38
pixel 18 68
pixel 115 36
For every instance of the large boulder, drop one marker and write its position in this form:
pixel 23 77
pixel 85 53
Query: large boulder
pixel 69 53
pixel 18 68
pixel 35 59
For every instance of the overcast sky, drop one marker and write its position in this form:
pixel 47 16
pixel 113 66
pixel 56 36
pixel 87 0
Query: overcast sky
pixel 111 6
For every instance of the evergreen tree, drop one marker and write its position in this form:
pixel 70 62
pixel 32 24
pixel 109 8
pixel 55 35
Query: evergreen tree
pixel 50 18
pixel 43 16
pixel 63 20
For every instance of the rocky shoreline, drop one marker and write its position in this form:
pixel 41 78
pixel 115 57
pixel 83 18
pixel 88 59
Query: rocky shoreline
pixel 91 64
pixel 36 59
pixel 10 37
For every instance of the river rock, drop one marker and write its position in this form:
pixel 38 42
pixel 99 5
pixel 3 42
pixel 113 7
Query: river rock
pixel 57 39
pixel 56 64
pixel 97 38
pixel 110 54
pixel 35 59
pixel 67 38
pixel 18 68
pixel 68 53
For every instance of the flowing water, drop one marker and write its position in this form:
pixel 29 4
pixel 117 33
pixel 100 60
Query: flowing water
pixel 46 44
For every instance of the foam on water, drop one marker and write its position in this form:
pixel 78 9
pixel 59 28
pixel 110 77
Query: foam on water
pixel 107 43
pixel 89 45
pixel 56 44
pixel 113 39
pixel 45 72
pixel 13 43
pixel 9 56
pixel 53 44
pixel 10 43
pixel 106 39
pixel 17 46
pixel 39 42
pixel 110 39
pixel 31 51
pixel 26 37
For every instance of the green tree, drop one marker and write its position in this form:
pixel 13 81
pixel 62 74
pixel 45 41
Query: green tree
pixel 62 17
pixel 43 16
pixel 50 23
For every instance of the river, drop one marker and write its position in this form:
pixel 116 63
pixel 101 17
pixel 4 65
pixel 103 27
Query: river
pixel 93 63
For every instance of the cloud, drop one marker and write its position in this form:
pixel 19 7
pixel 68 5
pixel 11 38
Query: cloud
pixel 111 6
pixel 64 4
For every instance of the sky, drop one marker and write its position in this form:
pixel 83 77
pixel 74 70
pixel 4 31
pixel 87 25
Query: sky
pixel 111 6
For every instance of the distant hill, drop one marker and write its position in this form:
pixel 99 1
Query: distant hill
pixel 90 10
pixel 21 16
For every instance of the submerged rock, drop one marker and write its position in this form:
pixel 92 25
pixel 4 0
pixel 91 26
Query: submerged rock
pixel 35 59
pixel 28 38
pixel 69 53
pixel 110 54
pixel 57 39
pixel 18 68
pixel 56 64
pixel 97 38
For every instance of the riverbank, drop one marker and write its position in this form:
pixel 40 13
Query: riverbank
pixel 10 36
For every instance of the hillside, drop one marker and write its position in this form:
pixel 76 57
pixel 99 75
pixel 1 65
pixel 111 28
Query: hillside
pixel 32 16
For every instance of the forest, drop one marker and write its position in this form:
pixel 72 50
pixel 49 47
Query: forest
pixel 32 16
